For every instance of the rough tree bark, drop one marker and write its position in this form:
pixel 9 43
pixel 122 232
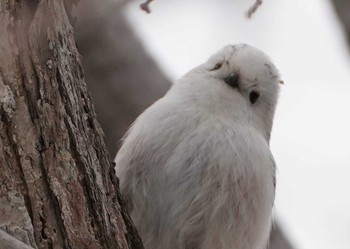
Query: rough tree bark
pixel 57 184
pixel 123 79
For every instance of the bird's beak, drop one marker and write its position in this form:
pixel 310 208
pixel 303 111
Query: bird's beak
pixel 281 82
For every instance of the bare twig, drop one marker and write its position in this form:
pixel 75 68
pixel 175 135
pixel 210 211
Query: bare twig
pixel 253 8
pixel 145 6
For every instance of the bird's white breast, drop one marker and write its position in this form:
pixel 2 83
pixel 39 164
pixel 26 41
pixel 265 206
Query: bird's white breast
pixel 194 178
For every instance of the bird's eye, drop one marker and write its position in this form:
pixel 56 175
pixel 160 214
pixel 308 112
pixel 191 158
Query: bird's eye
pixel 217 66
pixel 253 96
pixel 232 80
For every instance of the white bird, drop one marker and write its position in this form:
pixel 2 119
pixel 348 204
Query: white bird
pixel 195 168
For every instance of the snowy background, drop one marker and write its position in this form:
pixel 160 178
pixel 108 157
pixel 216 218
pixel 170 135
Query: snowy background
pixel 311 134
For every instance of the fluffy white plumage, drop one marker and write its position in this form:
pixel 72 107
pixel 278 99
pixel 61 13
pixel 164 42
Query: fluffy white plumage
pixel 195 168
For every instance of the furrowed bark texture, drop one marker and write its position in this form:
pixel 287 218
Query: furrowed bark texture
pixel 9 242
pixel 57 185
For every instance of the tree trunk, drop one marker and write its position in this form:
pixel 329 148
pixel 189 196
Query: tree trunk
pixel 57 185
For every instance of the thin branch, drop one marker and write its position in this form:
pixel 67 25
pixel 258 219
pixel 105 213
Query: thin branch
pixel 145 6
pixel 253 8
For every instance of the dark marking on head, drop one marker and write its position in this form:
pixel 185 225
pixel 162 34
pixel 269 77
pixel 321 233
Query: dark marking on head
pixel 235 48
pixel 270 69
pixel 254 96
pixel 217 66
pixel 232 80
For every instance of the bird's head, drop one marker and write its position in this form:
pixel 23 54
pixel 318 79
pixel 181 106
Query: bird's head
pixel 248 71
pixel 243 77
